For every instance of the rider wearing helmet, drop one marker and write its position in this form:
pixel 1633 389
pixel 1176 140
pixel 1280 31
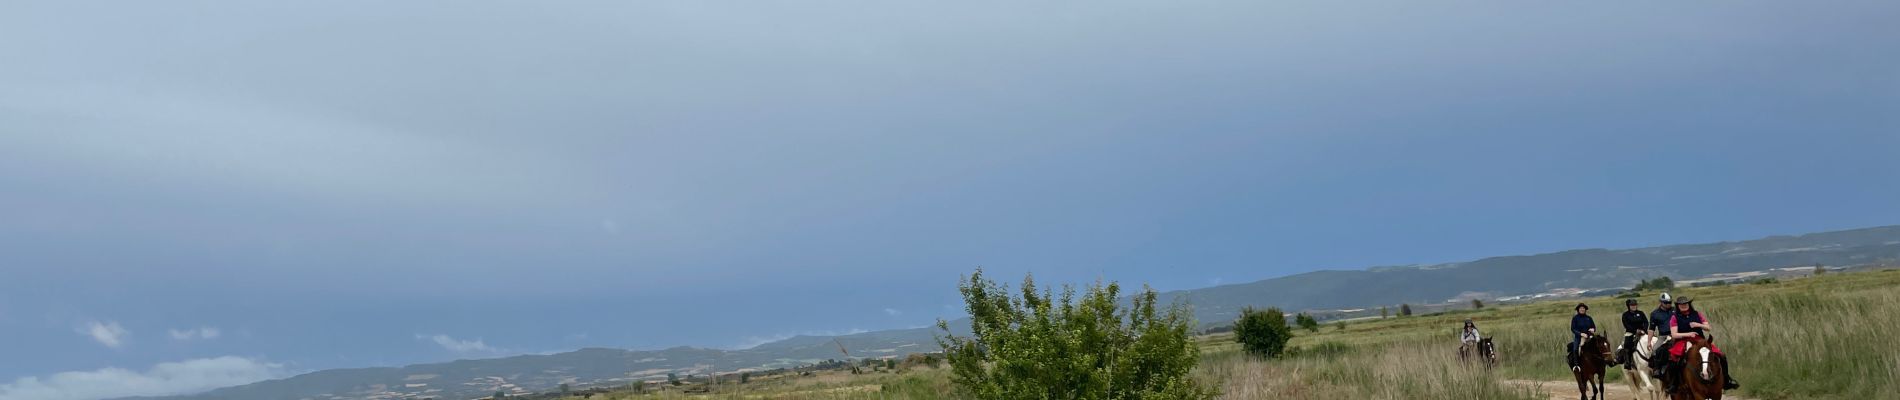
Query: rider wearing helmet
pixel 1580 325
pixel 1659 324
pixel 1659 318
pixel 1635 324
pixel 1689 324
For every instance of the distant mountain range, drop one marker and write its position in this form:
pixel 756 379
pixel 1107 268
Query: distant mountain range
pixel 1327 291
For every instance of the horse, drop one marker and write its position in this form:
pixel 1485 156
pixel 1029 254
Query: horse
pixel 1637 367
pixel 1701 374
pixel 1488 351
pixel 1593 357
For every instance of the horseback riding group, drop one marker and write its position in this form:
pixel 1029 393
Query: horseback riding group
pixel 1670 344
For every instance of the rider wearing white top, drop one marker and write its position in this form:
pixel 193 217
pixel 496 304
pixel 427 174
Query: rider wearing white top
pixel 1470 335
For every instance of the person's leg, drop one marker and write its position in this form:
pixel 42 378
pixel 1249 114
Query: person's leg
pixel 1570 354
pixel 1728 375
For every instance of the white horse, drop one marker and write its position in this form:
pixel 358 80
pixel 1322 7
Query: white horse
pixel 1638 368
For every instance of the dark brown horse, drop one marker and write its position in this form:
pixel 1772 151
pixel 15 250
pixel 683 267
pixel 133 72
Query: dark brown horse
pixel 1593 358
pixel 1701 373
pixel 1489 352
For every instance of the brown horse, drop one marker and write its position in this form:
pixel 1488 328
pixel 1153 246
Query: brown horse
pixel 1701 373
pixel 1489 352
pixel 1593 358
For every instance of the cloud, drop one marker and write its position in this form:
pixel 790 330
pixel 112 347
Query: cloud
pixel 755 341
pixel 199 333
pixel 172 378
pixel 457 345
pixel 108 333
pixel 893 312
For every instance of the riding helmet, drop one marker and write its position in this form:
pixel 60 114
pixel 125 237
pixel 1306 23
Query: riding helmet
pixel 1665 297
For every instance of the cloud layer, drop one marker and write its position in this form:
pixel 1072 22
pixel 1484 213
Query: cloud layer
pixel 107 333
pixel 205 333
pixel 457 345
pixel 164 379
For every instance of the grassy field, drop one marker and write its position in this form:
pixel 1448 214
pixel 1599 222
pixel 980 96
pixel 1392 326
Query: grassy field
pixel 1827 337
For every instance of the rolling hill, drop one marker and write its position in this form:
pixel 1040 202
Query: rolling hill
pixel 1489 278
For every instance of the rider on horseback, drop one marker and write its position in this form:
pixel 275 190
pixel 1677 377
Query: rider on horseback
pixel 1687 324
pixel 1468 337
pixel 1635 325
pixel 1580 326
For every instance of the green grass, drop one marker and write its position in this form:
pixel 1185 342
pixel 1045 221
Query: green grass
pixel 1835 336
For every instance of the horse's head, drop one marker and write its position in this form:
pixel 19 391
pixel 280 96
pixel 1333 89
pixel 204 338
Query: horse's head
pixel 1701 359
pixel 1598 345
pixel 1487 348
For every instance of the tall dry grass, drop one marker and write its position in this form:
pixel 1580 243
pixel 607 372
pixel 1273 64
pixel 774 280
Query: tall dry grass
pixel 1414 370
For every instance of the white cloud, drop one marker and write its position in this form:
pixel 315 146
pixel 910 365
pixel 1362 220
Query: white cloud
pixel 893 312
pixel 164 379
pixel 199 333
pixel 457 345
pixel 108 333
pixel 755 341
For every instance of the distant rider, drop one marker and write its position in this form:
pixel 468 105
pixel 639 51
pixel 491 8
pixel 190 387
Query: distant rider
pixel 1686 324
pixel 1580 325
pixel 1468 338
pixel 1635 325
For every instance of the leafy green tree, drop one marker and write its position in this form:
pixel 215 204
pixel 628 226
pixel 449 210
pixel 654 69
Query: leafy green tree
pixel 672 378
pixel 1038 345
pixel 745 377
pixel 1262 332
pixel 1660 283
pixel 1405 310
pixel 564 390
pixel 638 386
pixel 1477 304
pixel 499 395
pixel 1307 322
pixel 1819 270
pixel 1385 312
pixel 1339 326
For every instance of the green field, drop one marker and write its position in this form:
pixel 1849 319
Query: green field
pixel 1826 337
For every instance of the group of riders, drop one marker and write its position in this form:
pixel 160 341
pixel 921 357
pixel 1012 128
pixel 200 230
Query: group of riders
pixel 1675 319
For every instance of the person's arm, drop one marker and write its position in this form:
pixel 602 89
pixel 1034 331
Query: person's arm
pixel 1676 331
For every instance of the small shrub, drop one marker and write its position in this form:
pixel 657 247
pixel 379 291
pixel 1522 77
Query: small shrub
pixel 1262 332
pixel 1307 322
pixel 1405 310
pixel 1039 345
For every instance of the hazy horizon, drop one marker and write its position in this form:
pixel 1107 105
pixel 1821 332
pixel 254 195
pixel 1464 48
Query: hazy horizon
pixel 200 194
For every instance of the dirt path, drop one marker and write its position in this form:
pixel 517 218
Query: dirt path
pixel 1567 390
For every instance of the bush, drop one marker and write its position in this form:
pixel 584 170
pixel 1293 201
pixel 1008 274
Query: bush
pixel 1039 346
pixel 1405 310
pixel 1307 322
pixel 1660 283
pixel 1262 332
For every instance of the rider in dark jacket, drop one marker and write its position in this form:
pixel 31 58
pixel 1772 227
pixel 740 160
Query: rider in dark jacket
pixel 1580 324
pixel 1635 324
pixel 1659 320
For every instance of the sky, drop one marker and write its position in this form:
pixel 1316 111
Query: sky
pixel 200 194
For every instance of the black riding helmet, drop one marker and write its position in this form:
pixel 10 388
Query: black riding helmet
pixel 1630 302
pixel 1582 307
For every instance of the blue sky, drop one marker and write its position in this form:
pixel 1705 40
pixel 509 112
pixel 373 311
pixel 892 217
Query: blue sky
pixel 243 191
